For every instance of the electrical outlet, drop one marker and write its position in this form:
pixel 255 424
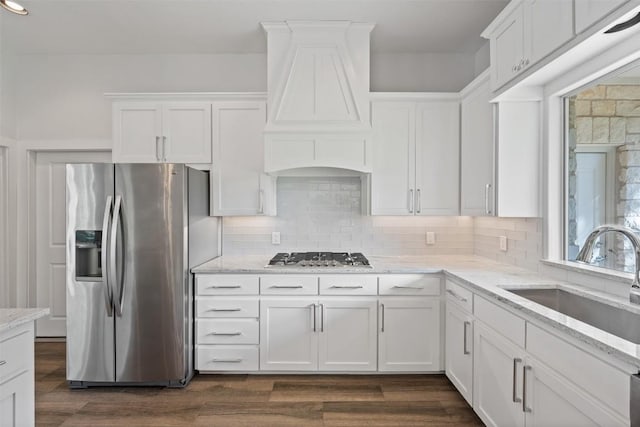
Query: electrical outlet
pixel 275 238
pixel 503 243
pixel 431 238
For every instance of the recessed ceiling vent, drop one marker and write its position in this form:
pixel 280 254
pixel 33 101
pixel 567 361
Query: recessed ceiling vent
pixel 318 95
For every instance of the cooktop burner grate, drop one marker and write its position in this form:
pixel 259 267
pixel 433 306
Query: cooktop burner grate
pixel 319 259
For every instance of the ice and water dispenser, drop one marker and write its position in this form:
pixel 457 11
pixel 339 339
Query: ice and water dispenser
pixel 88 255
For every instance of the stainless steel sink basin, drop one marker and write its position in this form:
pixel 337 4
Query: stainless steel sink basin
pixel 617 321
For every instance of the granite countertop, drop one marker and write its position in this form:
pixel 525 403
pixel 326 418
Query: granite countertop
pixel 485 277
pixel 11 318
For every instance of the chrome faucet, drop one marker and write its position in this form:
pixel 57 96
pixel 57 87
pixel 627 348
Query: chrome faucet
pixel 586 252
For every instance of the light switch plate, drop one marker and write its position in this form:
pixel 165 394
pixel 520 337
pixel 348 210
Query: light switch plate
pixel 431 238
pixel 275 238
pixel 503 243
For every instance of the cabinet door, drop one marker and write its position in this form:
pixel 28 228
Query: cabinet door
pixel 409 334
pixel 588 12
pixel 507 47
pixel 497 379
pixel 459 350
pixel 137 132
pixel 551 400
pixel 288 335
pixel 393 177
pixel 17 401
pixel 348 334
pixel 186 132
pixel 477 152
pixel 437 158
pixel 238 159
pixel 549 25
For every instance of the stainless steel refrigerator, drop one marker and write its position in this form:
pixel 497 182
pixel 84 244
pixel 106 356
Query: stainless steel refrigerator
pixel 133 233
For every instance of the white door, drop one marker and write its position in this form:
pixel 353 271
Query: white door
pixel 497 380
pixel 409 334
pixel 551 400
pixel 348 339
pixel 590 11
pixel 4 238
pixel 437 158
pixel 238 162
pixel 477 153
pixel 50 235
pixel 550 24
pixel 16 401
pixel 288 334
pixel 137 132
pixel 508 46
pixel 186 132
pixel 459 350
pixel 393 179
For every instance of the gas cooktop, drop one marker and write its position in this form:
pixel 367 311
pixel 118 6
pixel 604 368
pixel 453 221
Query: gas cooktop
pixel 319 259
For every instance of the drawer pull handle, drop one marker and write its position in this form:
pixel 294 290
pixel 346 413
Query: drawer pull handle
pixel 286 286
pixel 456 296
pixel 465 351
pixel 225 287
pixel 346 287
pixel 228 334
pixel 525 369
pixel 3 362
pixel 227 360
pixel 514 396
pixel 225 309
pixel 407 287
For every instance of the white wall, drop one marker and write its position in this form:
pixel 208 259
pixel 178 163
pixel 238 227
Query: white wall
pixel 61 96
pixel 324 214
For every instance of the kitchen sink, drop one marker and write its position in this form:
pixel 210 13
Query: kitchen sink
pixel 617 321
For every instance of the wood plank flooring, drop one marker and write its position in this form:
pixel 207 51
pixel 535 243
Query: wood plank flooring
pixel 251 400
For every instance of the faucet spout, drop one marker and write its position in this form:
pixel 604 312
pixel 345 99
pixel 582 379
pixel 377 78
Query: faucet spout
pixel 586 252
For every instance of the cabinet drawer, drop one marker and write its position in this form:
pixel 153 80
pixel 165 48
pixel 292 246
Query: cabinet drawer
pixel 16 351
pixel 227 331
pixel 509 325
pixel 604 382
pixel 227 307
pixel 288 285
pixel 227 358
pixel 409 284
pixel 348 284
pixel 460 296
pixel 226 284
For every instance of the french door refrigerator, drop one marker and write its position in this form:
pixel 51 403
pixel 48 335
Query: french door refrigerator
pixel 133 233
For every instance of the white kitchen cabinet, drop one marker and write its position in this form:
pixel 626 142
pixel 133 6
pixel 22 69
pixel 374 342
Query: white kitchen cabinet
pixel 525 32
pixel 500 150
pixel 588 12
pixel 459 350
pixel 239 185
pixel 17 395
pixel 162 132
pixel 310 334
pixel 497 381
pixel 288 334
pixel 409 334
pixel 416 156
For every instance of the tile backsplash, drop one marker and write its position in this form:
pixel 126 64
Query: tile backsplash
pixel 325 213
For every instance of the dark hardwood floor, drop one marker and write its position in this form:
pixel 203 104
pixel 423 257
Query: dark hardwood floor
pixel 251 400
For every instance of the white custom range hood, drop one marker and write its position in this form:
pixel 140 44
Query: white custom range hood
pixel 318 96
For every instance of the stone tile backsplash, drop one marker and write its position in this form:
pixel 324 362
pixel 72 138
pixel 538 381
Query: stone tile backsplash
pixel 325 213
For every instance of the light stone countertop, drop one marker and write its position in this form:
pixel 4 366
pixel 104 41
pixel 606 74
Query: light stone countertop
pixel 11 318
pixel 485 277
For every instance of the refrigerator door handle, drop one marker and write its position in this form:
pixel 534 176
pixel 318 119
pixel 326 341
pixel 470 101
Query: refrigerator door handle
pixel 113 270
pixel 104 256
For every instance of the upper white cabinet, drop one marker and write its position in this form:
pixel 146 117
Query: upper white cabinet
pixel 415 156
pixel 525 32
pixel 239 185
pixel 157 132
pixel 588 12
pixel 500 151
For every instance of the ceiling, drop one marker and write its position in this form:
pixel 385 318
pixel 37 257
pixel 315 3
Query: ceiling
pixel 233 26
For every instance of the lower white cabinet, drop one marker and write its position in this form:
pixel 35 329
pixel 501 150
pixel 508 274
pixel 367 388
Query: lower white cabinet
pixel 409 334
pixel 17 395
pixel 459 350
pixel 309 334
